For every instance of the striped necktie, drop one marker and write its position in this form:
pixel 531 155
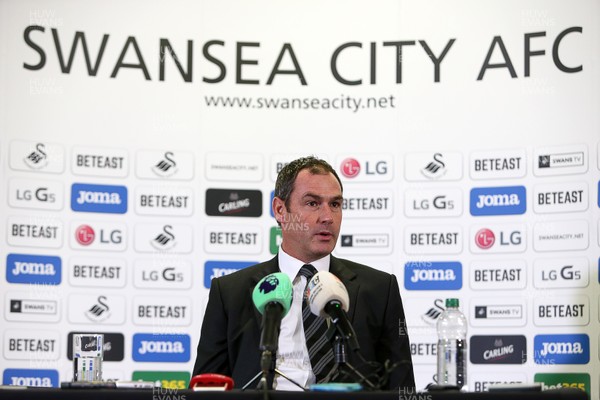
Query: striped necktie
pixel 319 348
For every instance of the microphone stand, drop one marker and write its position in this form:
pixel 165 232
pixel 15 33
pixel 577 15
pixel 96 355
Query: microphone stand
pixel 267 363
pixel 341 358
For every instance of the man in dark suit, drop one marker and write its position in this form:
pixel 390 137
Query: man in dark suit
pixel 308 207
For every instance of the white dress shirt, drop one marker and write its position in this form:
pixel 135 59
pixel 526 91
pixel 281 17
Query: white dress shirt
pixel 292 354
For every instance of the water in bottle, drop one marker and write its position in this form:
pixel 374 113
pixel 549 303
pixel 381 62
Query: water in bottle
pixel 452 346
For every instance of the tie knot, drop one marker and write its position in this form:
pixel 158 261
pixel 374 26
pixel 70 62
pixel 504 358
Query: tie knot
pixel 307 271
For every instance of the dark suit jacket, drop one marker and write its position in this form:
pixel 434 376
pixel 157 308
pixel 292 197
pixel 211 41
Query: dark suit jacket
pixel 230 334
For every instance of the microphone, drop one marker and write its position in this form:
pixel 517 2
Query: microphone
pixel 328 297
pixel 272 297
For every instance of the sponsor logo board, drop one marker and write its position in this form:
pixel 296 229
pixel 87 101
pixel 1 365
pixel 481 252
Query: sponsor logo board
pixel 554 273
pixel 371 204
pixel 98 161
pixel 432 239
pixel 561 349
pixel 97 272
pixel 235 167
pixel 164 200
pixel 164 238
pixel 37 157
pixel 424 203
pixel 98 198
pixel 507 200
pixel 35 194
pixel 159 164
pixel 433 275
pixel 560 160
pixel 238 239
pixel 31 345
pixel 555 310
pixel 147 347
pixel 100 309
pixel 233 203
pixel 498 275
pixel 495 349
pixel 162 274
pixel 33 269
pixel 506 164
pixel 433 166
pixel 561 235
pixel 498 311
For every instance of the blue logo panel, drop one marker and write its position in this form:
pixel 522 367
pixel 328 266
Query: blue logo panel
pixel 508 200
pixel 215 269
pixel 147 347
pixel 433 275
pixel 273 196
pixel 30 377
pixel 28 268
pixel 99 198
pixel 561 349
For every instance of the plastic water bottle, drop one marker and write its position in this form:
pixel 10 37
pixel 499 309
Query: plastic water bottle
pixel 452 346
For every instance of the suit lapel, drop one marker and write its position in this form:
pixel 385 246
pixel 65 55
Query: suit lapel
pixel 348 278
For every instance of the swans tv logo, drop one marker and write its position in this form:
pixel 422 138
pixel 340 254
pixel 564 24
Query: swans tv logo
pixel 561 349
pixel 217 269
pixel 509 200
pixel 99 198
pixel 33 269
pixel 498 349
pixel 147 347
pixel 30 377
pixel 562 160
pixel 425 275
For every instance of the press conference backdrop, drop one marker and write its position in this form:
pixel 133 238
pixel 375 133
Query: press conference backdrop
pixel 140 142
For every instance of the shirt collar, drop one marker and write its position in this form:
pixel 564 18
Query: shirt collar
pixel 290 265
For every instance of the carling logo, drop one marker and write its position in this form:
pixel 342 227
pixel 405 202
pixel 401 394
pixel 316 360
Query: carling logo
pixel 147 347
pixel 508 200
pixel 561 349
pixel 233 203
pixel 33 269
pixel 498 349
pixel 216 269
pixel 427 275
pixel 99 198
pixel 30 377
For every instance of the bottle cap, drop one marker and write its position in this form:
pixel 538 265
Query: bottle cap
pixel 452 303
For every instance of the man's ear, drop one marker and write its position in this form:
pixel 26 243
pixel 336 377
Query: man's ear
pixel 279 209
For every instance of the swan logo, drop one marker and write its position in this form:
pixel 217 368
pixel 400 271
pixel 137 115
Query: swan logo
pixel 164 240
pixel 436 168
pixel 166 166
pixel 99 311
pixel 37 158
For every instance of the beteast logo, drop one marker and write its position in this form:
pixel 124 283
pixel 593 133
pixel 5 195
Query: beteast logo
pixel 31 345
pixel 162 312
pixel 439 239
pixel 498 349
pixel 561 349
pixel 508 200
pixel 498 275
pixel 498 165
pixel 371 204
pixel 34 232
pixel 216 269
pixel 113 346
pixel 33 269
pixel 433 275
pixel 147 347
pixel 30 377
pixel 98 198
pixel 233 203
pixel 558 198
pixel 561 311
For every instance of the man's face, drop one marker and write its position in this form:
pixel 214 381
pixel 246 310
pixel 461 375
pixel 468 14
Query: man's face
pixel 311 226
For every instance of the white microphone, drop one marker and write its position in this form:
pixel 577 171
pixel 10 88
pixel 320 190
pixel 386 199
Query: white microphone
pixel 328 297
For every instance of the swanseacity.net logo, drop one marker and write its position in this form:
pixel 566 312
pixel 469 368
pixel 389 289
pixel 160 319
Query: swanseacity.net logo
pixel 340 103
